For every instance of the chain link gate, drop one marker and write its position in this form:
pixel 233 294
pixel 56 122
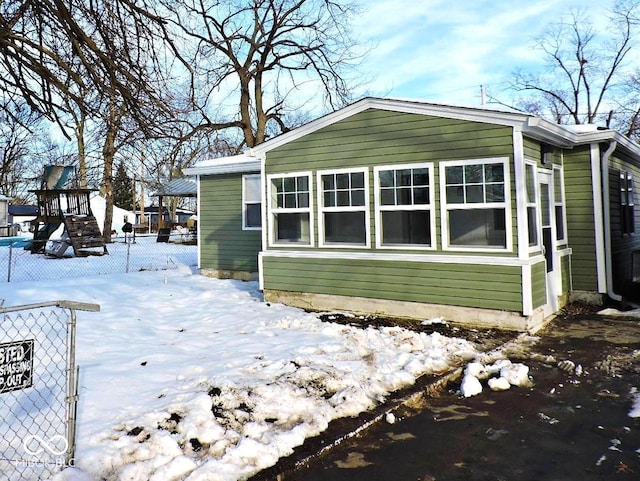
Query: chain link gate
pixel 38 389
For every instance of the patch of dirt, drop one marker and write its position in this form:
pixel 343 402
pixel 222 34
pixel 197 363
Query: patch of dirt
pixel 485 339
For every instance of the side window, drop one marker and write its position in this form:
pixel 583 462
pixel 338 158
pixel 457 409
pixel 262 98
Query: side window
pixel 558 191
pixel 627 203
pixel 475 203
pixel 290 209
pixel 404 205
pixel 532 204
pixel 251 202
pixel 343 207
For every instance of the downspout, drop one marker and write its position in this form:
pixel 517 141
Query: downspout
pixel 607 220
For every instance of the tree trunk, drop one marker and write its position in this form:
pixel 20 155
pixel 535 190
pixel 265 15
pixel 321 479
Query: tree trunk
pixel 108 153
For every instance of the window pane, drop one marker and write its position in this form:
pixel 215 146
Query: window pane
pixel 292 227
pixel 303 200
pixel 455 195
pixel 386 178
pixel 277 185
pixel 495 193
pixel 557 183
pixel 329 199
pixel 474 194
pixel 532 222
pixel 343 198
pixel 342 181
pixel 404 196
pixel 421 195
pixel 357 180
pixel 477 228
pixel 252 188
pixel 421 177
pixel 559 222
pixel 289 184
pixel 387 197
pixel 403 177
pixel 473 174
pixel 494 173
pixel 345 227
pixel 531 189
pixel 252 216
pixel 357 198
pixel 280 200
pixel 453 175
pixel 290 201
pixel 328 182
pixel 406 227
pixel 303 183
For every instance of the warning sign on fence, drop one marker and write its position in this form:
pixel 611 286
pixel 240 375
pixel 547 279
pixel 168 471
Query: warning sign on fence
pixel 16 365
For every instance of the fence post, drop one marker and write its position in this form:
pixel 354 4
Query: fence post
pixel 10 261
pixel 128 252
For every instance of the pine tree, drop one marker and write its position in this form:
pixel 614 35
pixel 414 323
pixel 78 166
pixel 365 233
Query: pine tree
pixel 123 195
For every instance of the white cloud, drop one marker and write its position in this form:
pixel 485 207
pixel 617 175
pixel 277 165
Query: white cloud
pixel 445 50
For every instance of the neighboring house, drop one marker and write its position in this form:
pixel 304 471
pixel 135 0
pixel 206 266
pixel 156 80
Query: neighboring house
pixel 4 216
pixel 414 209
pixel 22 215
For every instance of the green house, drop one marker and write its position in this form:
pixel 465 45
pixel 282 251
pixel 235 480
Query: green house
pixel 420 210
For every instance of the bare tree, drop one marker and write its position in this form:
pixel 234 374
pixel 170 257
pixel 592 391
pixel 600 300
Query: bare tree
pixel 17 149
pixel 587 72
pixel 263 60
pixel 52 52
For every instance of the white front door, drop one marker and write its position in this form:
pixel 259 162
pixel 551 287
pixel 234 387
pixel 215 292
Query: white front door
pixel 548 231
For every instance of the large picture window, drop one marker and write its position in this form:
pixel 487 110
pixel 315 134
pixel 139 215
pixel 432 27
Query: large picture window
pixel 627 203
pixel 251 202
pixel 343 201
pixel 404 203
pixel 289 205
pixel 475 204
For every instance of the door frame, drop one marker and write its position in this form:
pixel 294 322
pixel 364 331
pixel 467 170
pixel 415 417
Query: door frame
pixel 548 240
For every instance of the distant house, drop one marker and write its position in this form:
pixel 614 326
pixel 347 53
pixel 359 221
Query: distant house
pixel 4 216
pixel 415 209
pixel 22 214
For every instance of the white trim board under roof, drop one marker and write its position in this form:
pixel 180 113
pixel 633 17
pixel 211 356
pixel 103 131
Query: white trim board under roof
pixel 225 165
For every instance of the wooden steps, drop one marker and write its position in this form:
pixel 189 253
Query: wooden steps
pixel 84 234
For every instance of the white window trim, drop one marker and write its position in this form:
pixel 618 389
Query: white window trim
pixel 536 200
pixel 559 170
pixel 271 211
pixel 322 209
pixel 444 207
pixel 430 207
pixel 244 202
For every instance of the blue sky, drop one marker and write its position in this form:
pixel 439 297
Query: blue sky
pixel 444 50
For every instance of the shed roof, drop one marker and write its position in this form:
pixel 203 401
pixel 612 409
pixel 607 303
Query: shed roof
pixel 182 187
pixel 243 163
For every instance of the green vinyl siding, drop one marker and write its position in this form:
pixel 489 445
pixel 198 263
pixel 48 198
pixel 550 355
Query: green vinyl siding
pixel 376 137
pixel 622 245
pixel 580 218
pixel 479 286
pixel 223 243
pixel 539 284
pixel 565 272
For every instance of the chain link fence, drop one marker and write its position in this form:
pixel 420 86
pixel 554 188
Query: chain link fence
pixel 38 389
pixel 142 254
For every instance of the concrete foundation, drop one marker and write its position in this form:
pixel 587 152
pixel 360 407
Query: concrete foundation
pixel 484 318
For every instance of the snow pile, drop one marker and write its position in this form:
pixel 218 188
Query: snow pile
pixel 500 376
pixel 184 377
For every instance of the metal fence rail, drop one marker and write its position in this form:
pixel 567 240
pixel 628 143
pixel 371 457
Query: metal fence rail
pixel 18 264
pixel 38 388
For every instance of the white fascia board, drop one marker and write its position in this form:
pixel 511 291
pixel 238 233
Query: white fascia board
pixel 225 165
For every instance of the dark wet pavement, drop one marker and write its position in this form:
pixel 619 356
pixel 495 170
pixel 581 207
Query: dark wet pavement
pixel 573 424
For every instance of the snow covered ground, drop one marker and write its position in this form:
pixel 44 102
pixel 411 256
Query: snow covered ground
pixel 184 377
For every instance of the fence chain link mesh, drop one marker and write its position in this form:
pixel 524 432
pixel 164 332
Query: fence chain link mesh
pixel 18 264
pixel 38 390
